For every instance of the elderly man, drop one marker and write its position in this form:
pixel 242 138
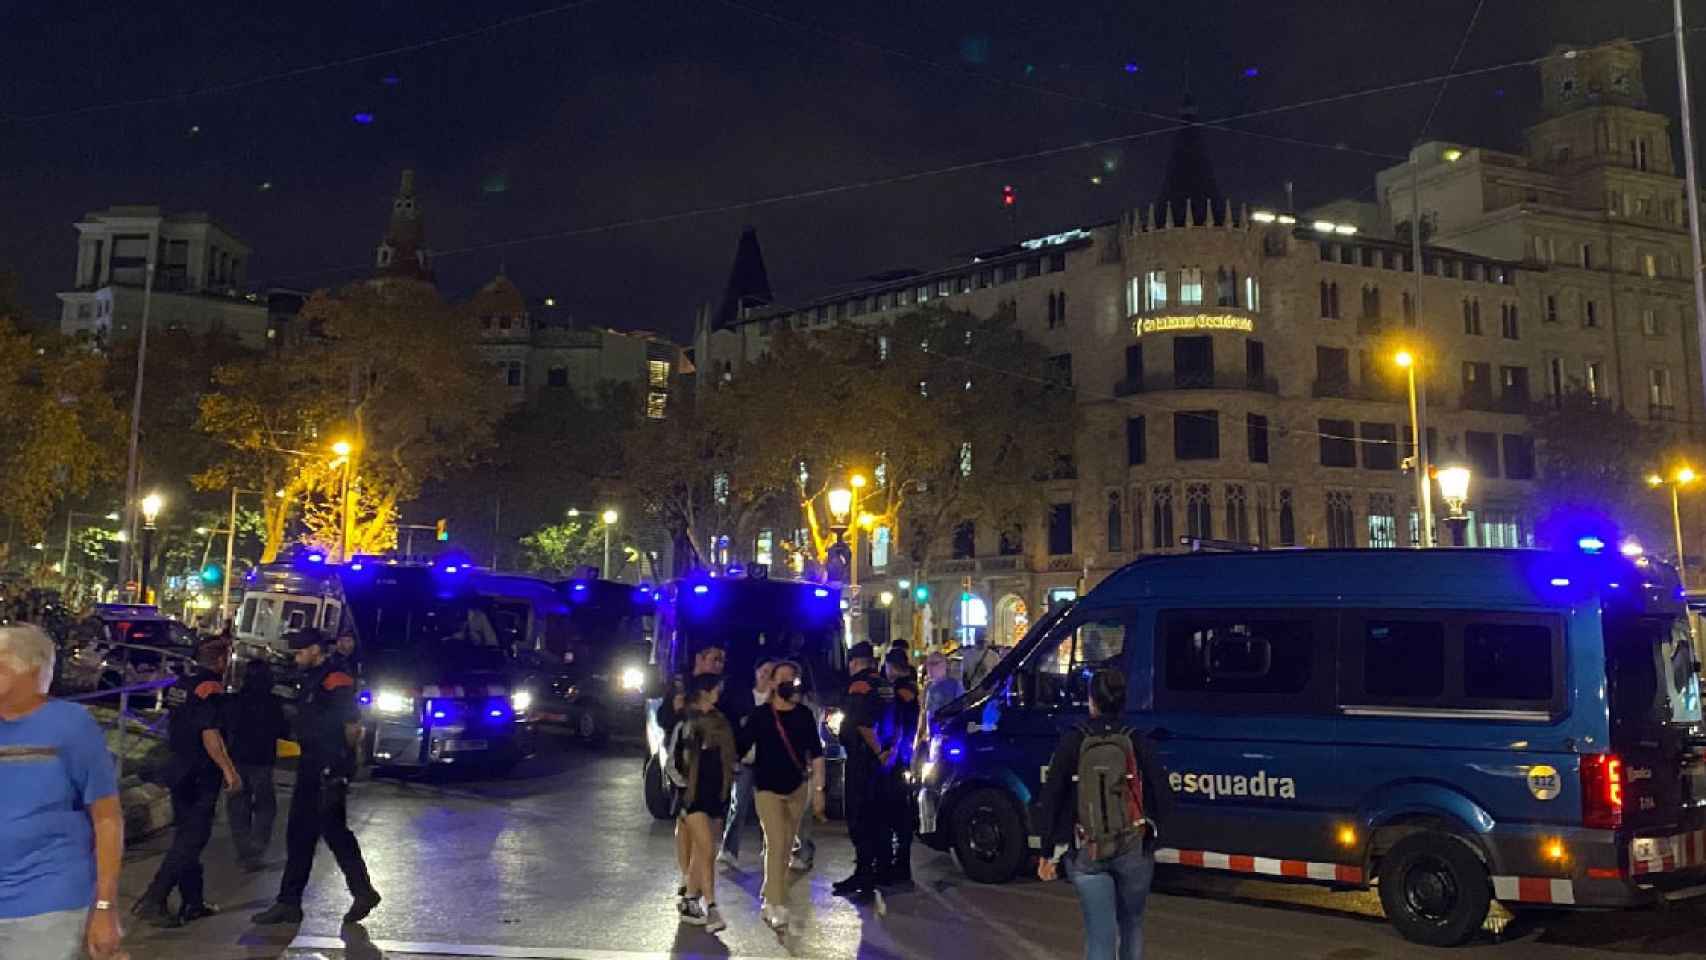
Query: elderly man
pixel 61 830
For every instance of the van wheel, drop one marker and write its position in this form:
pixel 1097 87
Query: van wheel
pixel 591 726
pixel 1434 889
pixel 989 837
pixel 657 794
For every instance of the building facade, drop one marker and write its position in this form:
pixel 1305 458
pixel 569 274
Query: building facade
pixel 200 271
pixel 1234 363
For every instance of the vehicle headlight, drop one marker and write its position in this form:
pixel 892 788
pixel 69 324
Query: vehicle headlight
pixel 390 701
pixel 833 721
pixel 633 679
pixel 935 751
pixel 928 771
pixel 520 700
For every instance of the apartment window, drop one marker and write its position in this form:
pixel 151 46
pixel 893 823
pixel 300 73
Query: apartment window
pixel 1371 303
pixel 964 283
pixel 964 544
pixel 1199 512
pixel 1060 365
pixel 1408 305
pixel 84 311
pixel 557 377
pixel 1193 362
pixel 1649 321
pixel 1555 381
pixel 1593 377
pixel 1482 449
pixel 1501 528
pixel 1513 387
pixel 1116 523
pixel 1338 443
pixel 1009 273
pixel 1472 317
pixel 1329 300
pixel 1133 295
pixel 1136 441
pixel 1650 264
pixel 944 288
pixel 1551 308
pixel 1382 521
pixel 1590 313
pixel 1519 456
pixel 1255 363
pixel 1287 520
pixel 1155 290
pixel 1190 286
pixel 1379 446
pixel 1252 293
pixel 1508 326
pixel 1658 387
pixel 1256 435
pixel 985 278
pixel 1056 309
pixel 1262 517
pixel 1033 268
pixel 1640 151
pixel 1226 287
pixel 513 372
pixel 924 292
pixel 1477 390
pixel 1161 516
pixel 1341 520
pixel 1587 256
pixel 1056 262
pixel 1332 371
pixel 1237 513
pixel 1196 435
pixel 1060 530
pixel 1134 366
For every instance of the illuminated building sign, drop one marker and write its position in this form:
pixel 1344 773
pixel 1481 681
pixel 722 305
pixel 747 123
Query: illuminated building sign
pixel 1178 323
pixel 1055 239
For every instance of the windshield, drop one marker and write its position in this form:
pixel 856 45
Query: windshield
pixel 1650 667
pixel 148 633
pixel 407 618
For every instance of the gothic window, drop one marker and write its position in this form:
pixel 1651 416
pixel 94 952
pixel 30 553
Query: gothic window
pixel 1199 512
pixel 1161 516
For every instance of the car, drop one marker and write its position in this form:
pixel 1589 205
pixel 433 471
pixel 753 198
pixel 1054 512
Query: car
pixel 1451 726
pixel 126 644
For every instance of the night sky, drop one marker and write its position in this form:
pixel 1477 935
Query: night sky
pixel 606 111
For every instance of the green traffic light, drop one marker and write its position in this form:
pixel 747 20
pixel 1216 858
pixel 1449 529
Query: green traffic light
pixel 921 593
pixel 210 573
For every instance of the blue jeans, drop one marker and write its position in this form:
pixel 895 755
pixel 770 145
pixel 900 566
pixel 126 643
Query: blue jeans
pixel 1112 894
pixel 740 809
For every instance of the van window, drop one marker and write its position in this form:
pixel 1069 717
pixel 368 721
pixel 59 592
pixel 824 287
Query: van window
pixel 246 617
pixel 1245 661
pixel 1059 670
pixel 1507 661
pixel 298 615
pixel 1403 659
pixel 1650 665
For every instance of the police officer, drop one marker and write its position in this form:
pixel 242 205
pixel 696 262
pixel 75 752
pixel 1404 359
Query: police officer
pixel 328 728
pixel 199 763
pixel 868 698
pixel 896 735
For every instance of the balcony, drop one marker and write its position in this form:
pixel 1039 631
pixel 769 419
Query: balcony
pixel 1198 380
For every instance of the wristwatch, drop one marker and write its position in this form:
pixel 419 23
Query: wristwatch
pixel 103 904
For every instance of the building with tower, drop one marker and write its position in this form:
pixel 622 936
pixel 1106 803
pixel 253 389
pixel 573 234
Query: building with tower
pixel 403 252
pixel 1234 360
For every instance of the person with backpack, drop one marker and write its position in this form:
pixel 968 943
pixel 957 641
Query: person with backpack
pixel 703 755
pixel 256 724
pixel 1104 803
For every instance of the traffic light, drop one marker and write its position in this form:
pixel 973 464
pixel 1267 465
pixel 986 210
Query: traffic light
pixel 921 594
pixel 210 573
pixel 443 529
pixel 1008 199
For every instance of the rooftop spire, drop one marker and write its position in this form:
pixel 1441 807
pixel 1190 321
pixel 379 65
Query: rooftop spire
pixel 403 252
pixel 749 282
pixel 1189 182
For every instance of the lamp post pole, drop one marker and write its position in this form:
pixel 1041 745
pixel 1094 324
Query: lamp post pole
pixel 1676 527
pixel 133 467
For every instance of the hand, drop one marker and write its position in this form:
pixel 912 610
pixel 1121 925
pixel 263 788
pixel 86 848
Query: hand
pixel 1046 869
pixel 233 780
pixel 104 935
pixel 818 806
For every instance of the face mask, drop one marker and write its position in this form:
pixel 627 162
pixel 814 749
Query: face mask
pixel 788 689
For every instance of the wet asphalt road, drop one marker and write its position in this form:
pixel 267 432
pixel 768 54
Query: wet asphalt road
pixel 562 861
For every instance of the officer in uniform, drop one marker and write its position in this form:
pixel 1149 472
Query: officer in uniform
pixel 199 763
pixel 328 729
pixel 869 697
pixel 896 735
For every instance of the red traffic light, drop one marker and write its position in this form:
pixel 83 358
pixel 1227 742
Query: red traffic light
pixel 1007 197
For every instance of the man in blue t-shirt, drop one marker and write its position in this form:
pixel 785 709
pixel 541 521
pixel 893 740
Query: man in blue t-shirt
pixel 61 830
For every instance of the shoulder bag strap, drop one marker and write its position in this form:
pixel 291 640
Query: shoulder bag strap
pixel 789 744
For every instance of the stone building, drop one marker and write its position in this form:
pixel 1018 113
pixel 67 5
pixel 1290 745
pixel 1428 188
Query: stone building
pixel 1234 362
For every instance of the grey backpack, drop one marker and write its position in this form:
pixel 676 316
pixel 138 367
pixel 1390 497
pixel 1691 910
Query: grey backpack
pixel 1110 792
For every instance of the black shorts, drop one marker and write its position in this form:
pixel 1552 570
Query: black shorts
pixel 716 809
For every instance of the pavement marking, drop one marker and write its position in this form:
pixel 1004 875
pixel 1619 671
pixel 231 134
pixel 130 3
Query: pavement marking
pixel 1025 945
pixel 504 952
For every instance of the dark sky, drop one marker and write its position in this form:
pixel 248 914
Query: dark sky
pixel 616 110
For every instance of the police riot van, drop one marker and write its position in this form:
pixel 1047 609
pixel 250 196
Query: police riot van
pixel 1451 726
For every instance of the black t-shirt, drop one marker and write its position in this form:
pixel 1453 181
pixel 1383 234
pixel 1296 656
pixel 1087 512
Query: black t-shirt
pixel 773 768
pixel 328 704
pixel 255 724
pixel 204 696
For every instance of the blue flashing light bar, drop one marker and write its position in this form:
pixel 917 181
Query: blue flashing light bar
pixel 1590 544
pixel 701 588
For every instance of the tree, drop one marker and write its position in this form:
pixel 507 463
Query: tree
pixel 576 541
pixel 61 433
pixel 1594 458
pixel 678 470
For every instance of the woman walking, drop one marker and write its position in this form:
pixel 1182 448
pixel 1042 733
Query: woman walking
pixel 1104 803
pixel 787 773
pixel 711 760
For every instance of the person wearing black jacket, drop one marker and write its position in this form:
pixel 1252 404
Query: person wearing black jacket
pixel 1112 889
pixel 255 724
pixel 788 778
pixel 710 659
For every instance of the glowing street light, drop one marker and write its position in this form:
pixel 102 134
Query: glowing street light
pixel 1424 487
pixel 840 505
pixel 1683 476
pixel 1454 489
pixel 151 505
pixel 609 517
pixel 346 511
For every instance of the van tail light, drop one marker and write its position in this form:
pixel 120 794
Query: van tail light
pixel 1602 791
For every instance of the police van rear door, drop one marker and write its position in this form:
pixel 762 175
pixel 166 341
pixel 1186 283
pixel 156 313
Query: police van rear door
pixel 1654 694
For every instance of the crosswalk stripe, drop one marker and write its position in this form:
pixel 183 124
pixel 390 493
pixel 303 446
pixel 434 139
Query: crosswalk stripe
pixel 496 951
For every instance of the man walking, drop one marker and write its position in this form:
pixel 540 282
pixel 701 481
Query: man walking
pixel 328 728
pixel 199 763
pixel 868 699
pixel 256 725
pixel 740 797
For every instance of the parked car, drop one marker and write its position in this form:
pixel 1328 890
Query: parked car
pixel 124 644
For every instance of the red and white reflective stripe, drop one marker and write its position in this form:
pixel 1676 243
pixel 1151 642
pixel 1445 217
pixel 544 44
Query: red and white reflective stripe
pixel 1265 866
pixel 1668 853
pixel 1534 890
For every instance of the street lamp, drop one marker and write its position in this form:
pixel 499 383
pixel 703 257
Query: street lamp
pixel 609 517
pixel 151 505
pixel 1683 477
pixel 1454 489
pixel 1424 488
pixel 344 452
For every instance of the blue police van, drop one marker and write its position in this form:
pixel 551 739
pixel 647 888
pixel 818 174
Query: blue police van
pixel 1451 726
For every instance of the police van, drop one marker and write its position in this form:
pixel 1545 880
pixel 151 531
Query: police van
pixel 1451 726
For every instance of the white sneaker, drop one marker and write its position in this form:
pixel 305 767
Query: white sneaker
pixel 714 922
pixel 693 911
pixel 775 917
pixel 727 859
